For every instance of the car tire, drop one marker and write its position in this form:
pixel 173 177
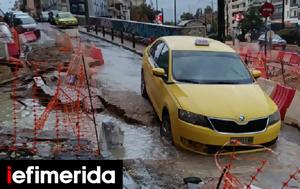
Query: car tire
pixel 143 86
pixel 166 129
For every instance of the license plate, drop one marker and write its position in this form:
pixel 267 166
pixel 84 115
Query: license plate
pixel 243 140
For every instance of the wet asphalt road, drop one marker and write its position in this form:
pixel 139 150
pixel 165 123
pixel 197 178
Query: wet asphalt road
pixel 158 164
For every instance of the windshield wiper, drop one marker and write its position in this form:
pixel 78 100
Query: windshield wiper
pixel 188 81
pixel 222 82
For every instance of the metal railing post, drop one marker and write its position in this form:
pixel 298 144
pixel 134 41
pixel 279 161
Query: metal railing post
pixel 122 37
pixel 133 40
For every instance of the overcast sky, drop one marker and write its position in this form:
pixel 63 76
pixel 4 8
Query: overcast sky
pixel 5 5
pixel 182 6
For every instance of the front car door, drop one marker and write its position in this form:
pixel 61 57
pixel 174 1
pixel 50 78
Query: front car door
pixel 160 84
pixel 153 55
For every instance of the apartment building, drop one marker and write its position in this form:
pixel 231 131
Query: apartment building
pixel 137 2
pixel 291 16
pixel 293 12
pixel 119 9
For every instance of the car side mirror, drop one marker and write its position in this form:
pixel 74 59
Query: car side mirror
pixel 158 72
pixel 256 74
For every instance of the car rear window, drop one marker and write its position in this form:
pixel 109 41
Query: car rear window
pixel 24 20
pixel 65 15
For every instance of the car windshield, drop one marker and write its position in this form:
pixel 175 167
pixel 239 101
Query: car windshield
pixel 24 20
pixel 209 68
pixel 20 14
pixel 65 15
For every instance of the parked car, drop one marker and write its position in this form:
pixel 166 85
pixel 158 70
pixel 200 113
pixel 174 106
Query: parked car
pixel 65 19
pixel 2 15
pixel 11 15
pixel 7 38
pixel 205 96
pixel 277 42
pixel 24 24
pixel 44 16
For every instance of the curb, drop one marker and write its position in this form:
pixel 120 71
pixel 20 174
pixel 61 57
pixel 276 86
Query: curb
pixel 112 42
pixel 292 116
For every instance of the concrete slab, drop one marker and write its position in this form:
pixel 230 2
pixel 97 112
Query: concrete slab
pixel 293 113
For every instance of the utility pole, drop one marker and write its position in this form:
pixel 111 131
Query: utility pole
pixel 175 13
pixel 87 15
pixel 283 14
pixel 227 19
pixel 163 16
pixel 221 20
pixel 212 14
pixel 156 5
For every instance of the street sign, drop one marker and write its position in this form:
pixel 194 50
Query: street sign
pixel 267 9
pixel 159 18
pixel 239 17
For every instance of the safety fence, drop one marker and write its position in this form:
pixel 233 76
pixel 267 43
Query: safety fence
pixel 53 101
pixel 229 180
pixel 280 66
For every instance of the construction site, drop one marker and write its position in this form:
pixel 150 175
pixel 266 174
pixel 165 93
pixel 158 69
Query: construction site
pixel 75 96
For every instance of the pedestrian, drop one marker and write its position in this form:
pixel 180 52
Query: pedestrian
pixel 51 18
pixel 248 37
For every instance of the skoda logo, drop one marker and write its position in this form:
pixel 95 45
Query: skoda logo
pixel 242 118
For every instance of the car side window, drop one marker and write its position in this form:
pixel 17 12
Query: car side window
pixel 155 50
pixel 163 60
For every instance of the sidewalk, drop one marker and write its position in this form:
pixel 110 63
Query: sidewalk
pixel 139 48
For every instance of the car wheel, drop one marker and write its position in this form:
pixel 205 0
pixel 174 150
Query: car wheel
pixel 165 129
pixel 143 86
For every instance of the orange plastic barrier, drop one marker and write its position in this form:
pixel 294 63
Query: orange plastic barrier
pixel 96 54
pixel 283 97
pixel 13 50
pixel 294 60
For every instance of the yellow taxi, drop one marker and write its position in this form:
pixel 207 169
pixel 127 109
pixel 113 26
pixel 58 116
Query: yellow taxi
pixel 205 96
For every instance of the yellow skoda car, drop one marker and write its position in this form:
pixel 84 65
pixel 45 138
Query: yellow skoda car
pixel 205 96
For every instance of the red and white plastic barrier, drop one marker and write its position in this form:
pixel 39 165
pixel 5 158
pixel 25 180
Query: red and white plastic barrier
pixel 28 37
pixel 283 97
pixel 287 100
pixel 96 54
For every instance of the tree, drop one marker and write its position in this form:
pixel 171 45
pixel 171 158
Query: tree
pixel 187 16
pixel 252 20
pixel 208 10
pixel 143 13
pixel 198 13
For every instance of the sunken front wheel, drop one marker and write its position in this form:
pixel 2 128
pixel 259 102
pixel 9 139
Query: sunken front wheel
pixel 166 129
pixel 143 86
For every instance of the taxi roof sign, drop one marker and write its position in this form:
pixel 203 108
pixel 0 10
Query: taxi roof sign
pixel 201 42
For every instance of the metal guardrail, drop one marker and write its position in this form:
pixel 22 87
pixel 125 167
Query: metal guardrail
pixel 141 29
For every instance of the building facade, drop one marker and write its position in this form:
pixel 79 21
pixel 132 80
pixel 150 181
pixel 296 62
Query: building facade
pixel 291 13
pixel 137 2
pixel 119 9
